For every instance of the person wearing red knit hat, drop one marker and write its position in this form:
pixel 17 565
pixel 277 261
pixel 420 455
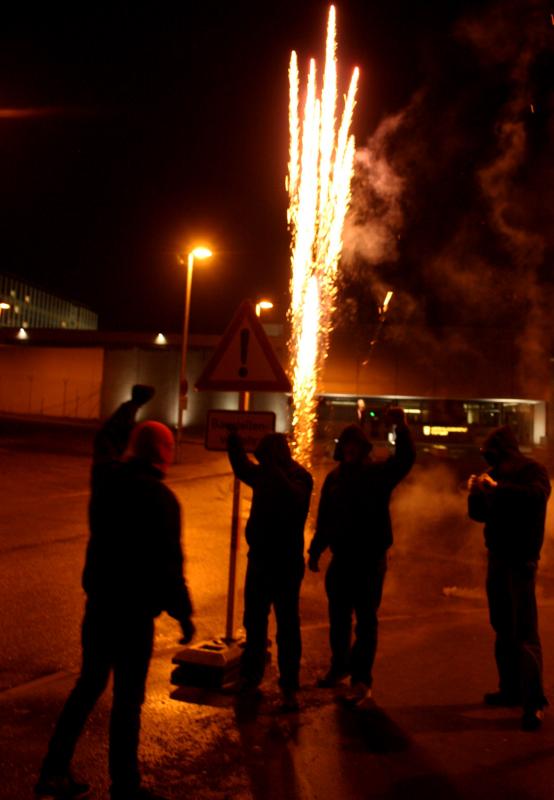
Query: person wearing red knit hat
pixel 133 572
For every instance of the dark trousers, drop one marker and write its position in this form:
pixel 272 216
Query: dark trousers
pixel 110 643
pixel 514 618
pixel 354 589
pixel 266 587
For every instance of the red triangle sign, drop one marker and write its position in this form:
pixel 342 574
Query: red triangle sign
pixel 244 359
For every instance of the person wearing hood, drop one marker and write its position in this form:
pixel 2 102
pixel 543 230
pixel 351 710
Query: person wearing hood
pixel 511 500
pixel 133 571
pixel 354 522
pixel 112 439
pixel 275 536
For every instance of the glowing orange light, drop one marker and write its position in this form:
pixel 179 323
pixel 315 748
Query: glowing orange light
pixel 321 161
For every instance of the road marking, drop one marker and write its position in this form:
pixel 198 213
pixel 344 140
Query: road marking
pixel 22 689
pixel 31 545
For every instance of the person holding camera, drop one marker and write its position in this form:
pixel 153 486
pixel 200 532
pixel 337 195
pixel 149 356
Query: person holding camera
pixel 511 500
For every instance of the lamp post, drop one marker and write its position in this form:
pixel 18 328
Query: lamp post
pixel 261 305
pixel 244 405
pixel 199 253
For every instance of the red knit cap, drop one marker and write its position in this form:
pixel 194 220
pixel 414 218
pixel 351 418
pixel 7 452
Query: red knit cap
pixel 152 442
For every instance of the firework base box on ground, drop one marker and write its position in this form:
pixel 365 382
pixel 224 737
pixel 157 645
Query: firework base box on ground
pixel 212 664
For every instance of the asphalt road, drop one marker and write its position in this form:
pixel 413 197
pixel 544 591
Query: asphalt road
pixel 429 737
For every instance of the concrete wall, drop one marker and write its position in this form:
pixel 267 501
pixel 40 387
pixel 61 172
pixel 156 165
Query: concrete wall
pixel 160 368
pixel 57 382
pixel 127 366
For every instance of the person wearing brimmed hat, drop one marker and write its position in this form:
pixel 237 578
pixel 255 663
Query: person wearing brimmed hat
pixel 354 522
pixel 511 500
pixel 133 571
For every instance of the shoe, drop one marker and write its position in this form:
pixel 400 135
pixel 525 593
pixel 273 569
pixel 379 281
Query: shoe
pixel 61 786
pixel 359 695
pixel 501 700
pixel 331 679
pixel 289 701
pixel 532 719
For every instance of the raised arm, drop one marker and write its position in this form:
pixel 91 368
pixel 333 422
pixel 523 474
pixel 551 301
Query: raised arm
pixel 402 460
pixel 112 438
pixel 243 467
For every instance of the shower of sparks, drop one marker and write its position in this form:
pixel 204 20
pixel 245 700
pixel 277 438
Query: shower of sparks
pixel 321 162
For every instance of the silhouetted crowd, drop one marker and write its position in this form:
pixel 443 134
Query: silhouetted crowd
pixel 134 572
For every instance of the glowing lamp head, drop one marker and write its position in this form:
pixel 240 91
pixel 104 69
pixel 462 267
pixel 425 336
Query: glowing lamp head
pixel 265 305
pixel 4 306
pixel 201 253
pixel 22 334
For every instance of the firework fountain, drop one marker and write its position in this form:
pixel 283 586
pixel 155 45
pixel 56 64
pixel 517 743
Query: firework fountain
pixel 321 163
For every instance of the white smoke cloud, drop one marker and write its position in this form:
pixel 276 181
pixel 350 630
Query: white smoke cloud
pixel 375 219
pixel 510 218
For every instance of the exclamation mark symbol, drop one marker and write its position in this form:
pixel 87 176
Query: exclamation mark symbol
pixel 244 341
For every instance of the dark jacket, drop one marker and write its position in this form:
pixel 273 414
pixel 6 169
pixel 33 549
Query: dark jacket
pixel 353 517
pixel 514 513
pixel 134 561
pixel 280 501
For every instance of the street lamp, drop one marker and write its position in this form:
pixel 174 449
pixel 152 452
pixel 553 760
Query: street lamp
pixel 200 253
pixel 263 305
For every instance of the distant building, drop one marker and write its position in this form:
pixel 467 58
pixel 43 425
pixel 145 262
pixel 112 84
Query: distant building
pixel 452 399
pixel 32 307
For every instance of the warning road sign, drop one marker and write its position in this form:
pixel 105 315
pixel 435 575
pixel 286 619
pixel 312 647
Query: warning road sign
pixel 250 425
pixel 244 360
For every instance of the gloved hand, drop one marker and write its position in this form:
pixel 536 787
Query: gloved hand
pixel 313 563
pixel 189 630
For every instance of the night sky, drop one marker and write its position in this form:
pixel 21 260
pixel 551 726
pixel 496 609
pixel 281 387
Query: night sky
pixel 142 129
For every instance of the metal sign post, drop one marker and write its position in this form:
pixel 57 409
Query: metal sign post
pixel 243 361
pixel 234 548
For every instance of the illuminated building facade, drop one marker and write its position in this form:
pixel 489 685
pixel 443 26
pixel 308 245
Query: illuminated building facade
pixel 31 307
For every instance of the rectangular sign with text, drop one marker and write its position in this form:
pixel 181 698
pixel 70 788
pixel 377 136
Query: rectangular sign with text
pixel 251 426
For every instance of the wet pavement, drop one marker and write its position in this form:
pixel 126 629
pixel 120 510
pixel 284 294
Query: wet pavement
pixel 428 736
